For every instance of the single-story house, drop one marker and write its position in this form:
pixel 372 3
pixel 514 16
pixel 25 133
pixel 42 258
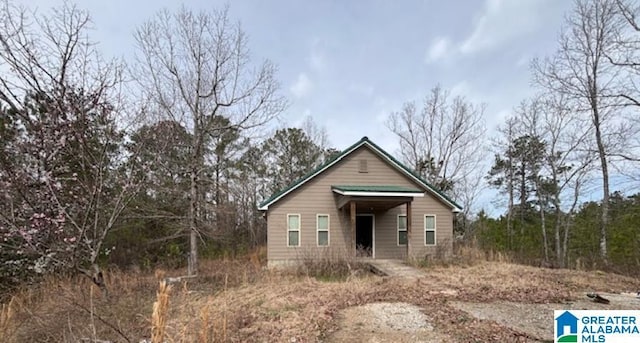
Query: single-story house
pixel 363 202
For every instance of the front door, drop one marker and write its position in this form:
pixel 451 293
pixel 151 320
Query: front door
pixel 364 235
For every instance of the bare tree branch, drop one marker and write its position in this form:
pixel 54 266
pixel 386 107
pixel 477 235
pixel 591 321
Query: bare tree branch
pixel 196 67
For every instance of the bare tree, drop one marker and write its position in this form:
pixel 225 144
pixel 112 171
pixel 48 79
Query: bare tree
pixel 627 58
pixel 51 53
pixel 195 67
pixel 568 165
pixel 443 142
pixel 626 55
pixel 580 71
pixel 317 134
pixel 564 167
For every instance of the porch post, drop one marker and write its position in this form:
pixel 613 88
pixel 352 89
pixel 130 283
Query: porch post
pixel 408 230
pixel 352 211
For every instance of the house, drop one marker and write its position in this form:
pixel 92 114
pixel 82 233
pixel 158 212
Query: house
pixel 363 202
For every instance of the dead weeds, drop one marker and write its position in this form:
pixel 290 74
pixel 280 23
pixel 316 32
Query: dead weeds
pixel 237 301
pixel 492 281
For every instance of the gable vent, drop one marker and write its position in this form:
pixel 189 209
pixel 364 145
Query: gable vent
pixel 363 167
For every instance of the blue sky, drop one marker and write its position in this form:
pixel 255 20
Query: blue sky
pixel 348 64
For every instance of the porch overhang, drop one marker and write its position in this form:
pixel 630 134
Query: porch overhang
pixel 375 198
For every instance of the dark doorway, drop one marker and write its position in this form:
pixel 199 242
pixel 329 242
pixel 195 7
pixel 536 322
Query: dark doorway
pixel 364 236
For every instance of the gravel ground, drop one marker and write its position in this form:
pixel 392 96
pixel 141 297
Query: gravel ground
pixel 536 320
pixel 386 322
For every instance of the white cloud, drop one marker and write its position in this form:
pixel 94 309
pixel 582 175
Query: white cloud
pixel 317 59
pixel 302 87
pixel 439 48
pixel 472 93
pixel 381 117
pixel 462 88
pixel 496 118
pixel 503 20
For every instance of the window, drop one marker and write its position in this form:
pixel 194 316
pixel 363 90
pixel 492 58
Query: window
pixel 293 230
pixel 322 226
pixel 402 229
pixel 429 230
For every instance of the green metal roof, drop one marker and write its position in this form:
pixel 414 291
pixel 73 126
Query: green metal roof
pixel 363 141
pixel 376 188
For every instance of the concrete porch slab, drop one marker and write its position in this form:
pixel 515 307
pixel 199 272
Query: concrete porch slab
pixel 393 268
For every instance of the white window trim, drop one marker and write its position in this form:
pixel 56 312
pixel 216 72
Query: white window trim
pixel 435 230
pixel 398 230
pixel 299 230
pixel 328 230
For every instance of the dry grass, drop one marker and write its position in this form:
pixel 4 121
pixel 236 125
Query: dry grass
pixel 238 301
pixel 469 254
pixel 285 307
pixel 7 326
pixel 329 264
pixel 70 309
pixel 277 309
pixel 487 281
pixel 160 313
pixel 488 275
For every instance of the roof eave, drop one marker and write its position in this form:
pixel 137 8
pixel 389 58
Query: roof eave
pixel 379 194
pixel 455 207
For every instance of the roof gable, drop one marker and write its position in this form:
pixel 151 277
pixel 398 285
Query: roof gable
pixel 377 150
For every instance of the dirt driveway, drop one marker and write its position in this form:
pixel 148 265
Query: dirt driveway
pixel 521 305
pixel 403 322
pixel 535 319
pixel 386 323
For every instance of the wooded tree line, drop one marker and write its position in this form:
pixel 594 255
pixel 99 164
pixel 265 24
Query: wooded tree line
pixel 103 161
pixel 163 158
pixel 576 137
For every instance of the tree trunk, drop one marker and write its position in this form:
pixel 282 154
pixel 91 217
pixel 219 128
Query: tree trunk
pixel 543 226
pixel 510 217
pixel 557 224
pixel 558 242
pixel 604 219
pixel 523 197
pixel 565 241
pixel 192 266
pixel 568 222
pixel 510 206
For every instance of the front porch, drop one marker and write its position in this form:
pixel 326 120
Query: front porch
pixel 361 204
